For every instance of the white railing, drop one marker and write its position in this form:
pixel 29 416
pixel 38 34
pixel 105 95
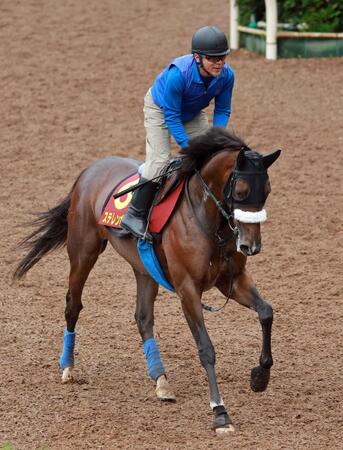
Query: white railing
pixel 271 31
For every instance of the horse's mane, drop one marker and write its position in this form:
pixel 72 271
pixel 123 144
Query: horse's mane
pixel 202 147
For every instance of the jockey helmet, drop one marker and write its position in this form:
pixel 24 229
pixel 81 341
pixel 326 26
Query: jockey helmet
pixel 210 41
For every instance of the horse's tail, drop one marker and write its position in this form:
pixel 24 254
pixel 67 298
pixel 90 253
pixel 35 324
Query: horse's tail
pixel 50 233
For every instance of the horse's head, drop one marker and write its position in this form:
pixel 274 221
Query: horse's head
pixel 245 194
pixel 246 189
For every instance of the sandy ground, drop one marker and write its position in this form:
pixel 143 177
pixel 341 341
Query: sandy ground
pixel 73 76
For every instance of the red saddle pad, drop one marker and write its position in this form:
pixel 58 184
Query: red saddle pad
pixel 115 209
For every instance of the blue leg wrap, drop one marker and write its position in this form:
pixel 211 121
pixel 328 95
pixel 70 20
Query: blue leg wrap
pixel 67 355
pixel 153 359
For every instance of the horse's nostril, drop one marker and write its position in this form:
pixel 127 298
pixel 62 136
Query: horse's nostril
pixel 256 249
pixel 250 250
pixel 245 249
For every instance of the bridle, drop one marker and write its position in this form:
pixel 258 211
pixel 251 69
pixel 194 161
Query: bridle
pixel 228 215
pixel 255 177
pixel 227 211
pixel 214 235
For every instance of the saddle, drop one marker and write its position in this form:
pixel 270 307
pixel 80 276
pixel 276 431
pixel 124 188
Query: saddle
pixel 171 186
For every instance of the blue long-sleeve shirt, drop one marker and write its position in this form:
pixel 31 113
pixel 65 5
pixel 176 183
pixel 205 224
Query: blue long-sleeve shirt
pixel 182 93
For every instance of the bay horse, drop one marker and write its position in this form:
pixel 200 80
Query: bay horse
pixel 205 244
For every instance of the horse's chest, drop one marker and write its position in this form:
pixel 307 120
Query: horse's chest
pixel 214 269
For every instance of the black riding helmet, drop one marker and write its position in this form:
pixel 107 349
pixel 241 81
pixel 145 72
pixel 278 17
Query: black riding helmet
pixel 210 41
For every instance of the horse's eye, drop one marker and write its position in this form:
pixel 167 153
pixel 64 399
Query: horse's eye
pixel 267 188
pixel 241 190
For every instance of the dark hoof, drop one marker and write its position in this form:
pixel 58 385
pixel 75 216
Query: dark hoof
pixel 259 379
pixel 221 418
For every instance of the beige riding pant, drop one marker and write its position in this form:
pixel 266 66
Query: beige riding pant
pixel 158 139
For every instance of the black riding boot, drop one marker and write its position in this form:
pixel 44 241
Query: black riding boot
pixel 135 220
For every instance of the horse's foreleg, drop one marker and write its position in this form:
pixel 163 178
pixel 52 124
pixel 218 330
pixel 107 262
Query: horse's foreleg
pixel 260 375
pixel 83 255
pixel 245 293
pixel 147 290
pixel 194 316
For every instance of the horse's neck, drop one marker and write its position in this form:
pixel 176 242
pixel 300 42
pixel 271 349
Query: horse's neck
pixel 215 173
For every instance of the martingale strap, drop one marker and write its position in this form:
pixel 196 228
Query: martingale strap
pixel 230 270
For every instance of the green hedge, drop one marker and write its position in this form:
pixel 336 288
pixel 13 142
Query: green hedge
pixel 310 15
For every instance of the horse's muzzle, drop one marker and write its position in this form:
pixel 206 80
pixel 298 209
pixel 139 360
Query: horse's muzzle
pixel 249 238
pixel 250 250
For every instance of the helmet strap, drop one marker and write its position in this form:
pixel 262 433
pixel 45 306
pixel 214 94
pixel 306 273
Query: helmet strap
pixel 200 64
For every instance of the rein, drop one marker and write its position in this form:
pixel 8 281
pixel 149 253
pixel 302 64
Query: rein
pixel 214 236
pixel 219 204
pixel 140 185
pixel 211 235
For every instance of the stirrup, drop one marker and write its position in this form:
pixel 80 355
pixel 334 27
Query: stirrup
pixel 145 236
pixel 148 237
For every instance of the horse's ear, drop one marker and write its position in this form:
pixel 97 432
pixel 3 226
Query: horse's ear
pixel 240 159
pixel 269 158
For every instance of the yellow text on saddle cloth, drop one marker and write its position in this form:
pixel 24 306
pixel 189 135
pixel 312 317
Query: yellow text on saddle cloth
pixel 116 209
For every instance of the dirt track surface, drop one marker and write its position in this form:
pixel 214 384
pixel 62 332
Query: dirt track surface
pixel 73 76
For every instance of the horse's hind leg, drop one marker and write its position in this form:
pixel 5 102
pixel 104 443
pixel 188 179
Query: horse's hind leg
pixel 147 290
pixel 245 293
pixel 84 248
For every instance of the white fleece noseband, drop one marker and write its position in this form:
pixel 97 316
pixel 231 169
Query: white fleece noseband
pixel 249 216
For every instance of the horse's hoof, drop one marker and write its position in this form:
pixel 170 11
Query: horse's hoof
pixel 259 379
pixel 221 422
pixel 227 429
pixel 163 390
pixel 67 375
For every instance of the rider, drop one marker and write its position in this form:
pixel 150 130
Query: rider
pixel 174 105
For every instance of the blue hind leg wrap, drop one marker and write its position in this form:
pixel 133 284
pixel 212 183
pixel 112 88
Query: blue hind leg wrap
pixel 67 355
pixel 153 359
